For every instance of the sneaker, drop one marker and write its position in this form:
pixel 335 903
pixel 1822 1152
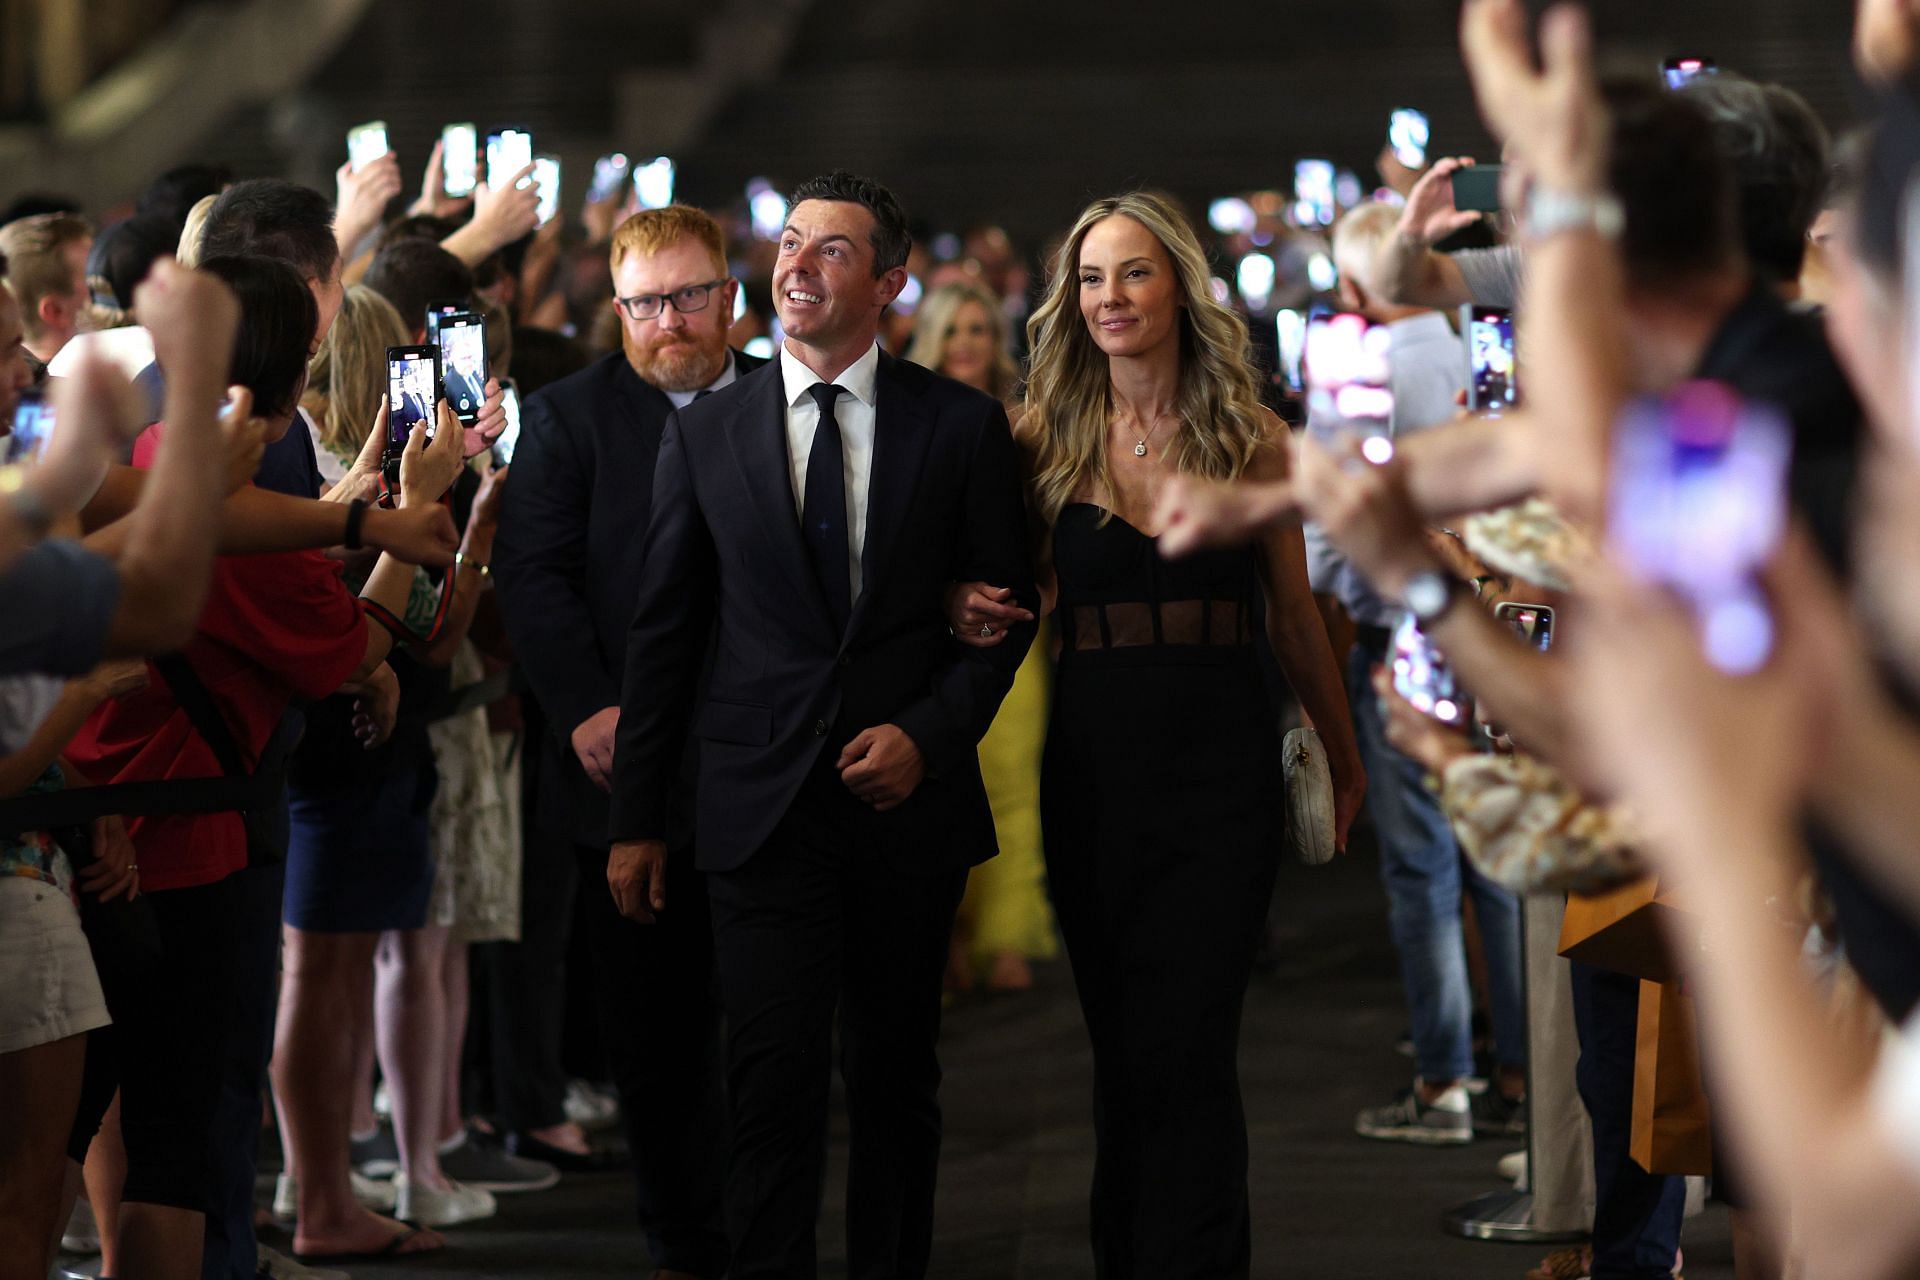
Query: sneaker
pixel 428 1208
pixel 372 1193
pixel 1497 1116
pixel 590 1106
pixel 481 1161
pixel 275 1265
pixel 1513 1168
pixel 377 1156
pixel 1448 1121
pixel 82 1235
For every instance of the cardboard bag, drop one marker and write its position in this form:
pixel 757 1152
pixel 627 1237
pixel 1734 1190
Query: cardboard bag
pixel 1672 1129
pixel 1624 931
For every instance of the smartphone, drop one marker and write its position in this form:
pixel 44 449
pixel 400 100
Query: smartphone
pixel 1408 134
pixel 1421 675
pixel 1533 623
pixel 653 183
pixel 1347 377
pixel 1290 329
pixel 1476 188
pixel 366 143
pixel 439 311
pixel 463 364
pixel 460 159
pixel 1699 504
pixel 508 152
pixel 1493 383
pixel 609 175
pixel 1678 71
pixel 509 439
pixel 413 392
pixel 546 177
pixel 1313 192
pixel 32 426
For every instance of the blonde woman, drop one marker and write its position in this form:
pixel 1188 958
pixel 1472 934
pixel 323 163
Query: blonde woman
pixel 1004 923
pixel 1161 787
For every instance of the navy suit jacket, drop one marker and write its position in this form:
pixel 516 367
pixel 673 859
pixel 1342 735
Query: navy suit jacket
pixel 725 558
pixel 567 557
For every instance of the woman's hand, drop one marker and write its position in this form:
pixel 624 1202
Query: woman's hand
pixel 980 614
pixel 429 468
pixel 1430 743
pixel 433 197
pixel 1365 512
pixel 486 502
pixel 364 475
pixel 114 679
pixel 246 438
pixel 114 873
pixel 491 421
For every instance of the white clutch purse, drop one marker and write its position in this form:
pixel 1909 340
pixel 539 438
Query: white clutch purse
pixel 1309 784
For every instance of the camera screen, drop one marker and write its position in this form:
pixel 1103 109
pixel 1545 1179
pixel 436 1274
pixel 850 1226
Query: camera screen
pixel 508 152
pixel 1408 134
pixel 32 427
pixel 609 171
pixel 1699 503
pixel 1348 374
pixel 411 393
pixel 1496 385
pixel 1532 623
pixel 366 143
pixel 463 361
pixel 1421 675
pixel 1313 192
pixel 460 158
pixel 546 177
pixel 1290 329
pixel 1677 72
pixel 653 183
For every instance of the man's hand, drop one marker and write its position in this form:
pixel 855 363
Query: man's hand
pixel 1365 513
pixel 980 614
pixel 114 873
pixel 492 420
pixel 376 706
pixel 192 317
pixel 99 413
pixel 502 216
pixel 637 876
pixel 429 468
pixel 1552 120
pixel 593 745
pixel 1430 215
pixel 423 535
pixel 434 199
pixel 882 766
pixel 361 198
pixel 1194 513
pixel 246 438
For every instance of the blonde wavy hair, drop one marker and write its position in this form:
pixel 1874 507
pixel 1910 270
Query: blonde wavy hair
pixel 348 375
pixel 1069 390
pixel 934 325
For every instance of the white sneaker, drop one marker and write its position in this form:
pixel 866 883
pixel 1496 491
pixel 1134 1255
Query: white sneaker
pixel 1513 1167
pixel 275 1265
pixel 591 1107
pixel 372 1193
pixel 428 1208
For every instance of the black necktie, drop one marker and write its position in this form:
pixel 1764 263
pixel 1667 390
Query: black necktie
pixel 824 518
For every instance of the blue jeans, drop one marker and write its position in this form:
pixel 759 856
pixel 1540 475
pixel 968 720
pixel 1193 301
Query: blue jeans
pixel 1425 879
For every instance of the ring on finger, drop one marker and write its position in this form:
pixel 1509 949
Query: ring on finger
pixel 986 628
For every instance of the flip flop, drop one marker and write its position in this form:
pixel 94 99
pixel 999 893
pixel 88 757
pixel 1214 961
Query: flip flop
pixel 394 1247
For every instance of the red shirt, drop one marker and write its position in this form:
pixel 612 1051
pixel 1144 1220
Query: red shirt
pixel 276 628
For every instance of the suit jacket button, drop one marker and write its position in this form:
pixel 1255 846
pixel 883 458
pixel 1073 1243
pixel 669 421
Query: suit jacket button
pixel 819 728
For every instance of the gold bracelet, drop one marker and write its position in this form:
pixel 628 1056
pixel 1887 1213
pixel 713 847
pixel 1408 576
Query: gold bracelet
pixel 484 570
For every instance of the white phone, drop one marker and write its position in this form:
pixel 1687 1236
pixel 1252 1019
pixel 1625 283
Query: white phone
pixel 508 152
pixel 546 177
pixel 366 143
pixel 460 159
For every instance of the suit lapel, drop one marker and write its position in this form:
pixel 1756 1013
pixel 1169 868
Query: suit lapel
pixel 902 431
pixel 758 436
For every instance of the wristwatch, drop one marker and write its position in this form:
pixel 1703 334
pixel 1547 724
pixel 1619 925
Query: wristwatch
pixel 1430 595
pixel 1551 213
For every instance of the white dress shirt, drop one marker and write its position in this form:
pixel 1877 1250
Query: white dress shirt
pixel 854 412
pixel 681 399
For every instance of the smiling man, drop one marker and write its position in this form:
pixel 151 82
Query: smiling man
pixel 807 521
pixel 568 561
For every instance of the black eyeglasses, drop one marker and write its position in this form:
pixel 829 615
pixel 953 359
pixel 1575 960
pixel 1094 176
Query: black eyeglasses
pixel 687 300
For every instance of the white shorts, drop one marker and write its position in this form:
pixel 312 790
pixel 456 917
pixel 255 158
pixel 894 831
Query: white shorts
pixel 48 987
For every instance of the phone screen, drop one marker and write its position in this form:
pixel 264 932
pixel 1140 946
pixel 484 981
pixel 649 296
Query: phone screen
pixel 1313 192
pixel 1677 72
pixel 1421 675
pixel 653 183
pixel 366 143
pixel 32 427
pixel 1290 328
pixel 438 311
pixel 609 172
pixel 463 364
pixel 1493 380
pixel 460 158
pixel 546 177
pixel 1699 503
pixel 413 388
pixel 1476 188
pixel 1348 378
pixel 1532 623
pixel 510 437
pixel 508 152
pixel 1408 134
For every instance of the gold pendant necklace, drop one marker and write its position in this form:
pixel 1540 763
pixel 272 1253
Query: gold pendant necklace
pixel 1140 443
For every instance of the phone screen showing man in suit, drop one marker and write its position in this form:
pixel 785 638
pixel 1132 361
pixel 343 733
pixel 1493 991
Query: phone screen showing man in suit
pixel 413 383
pixel 463 353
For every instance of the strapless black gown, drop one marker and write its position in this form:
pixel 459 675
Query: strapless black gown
pixel 1161 800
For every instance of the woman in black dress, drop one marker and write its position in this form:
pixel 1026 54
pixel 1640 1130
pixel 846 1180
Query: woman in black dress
pixel 1161 790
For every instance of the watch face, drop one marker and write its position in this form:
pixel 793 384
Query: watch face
pixel 1426 594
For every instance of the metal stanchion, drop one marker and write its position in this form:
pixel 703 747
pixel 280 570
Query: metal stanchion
pixel 1507 1216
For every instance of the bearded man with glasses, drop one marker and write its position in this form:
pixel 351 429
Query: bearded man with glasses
pixel 567 564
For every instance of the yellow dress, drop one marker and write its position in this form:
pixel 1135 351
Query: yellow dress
pixel 1005 908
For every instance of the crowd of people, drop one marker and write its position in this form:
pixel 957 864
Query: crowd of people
pixel 697 642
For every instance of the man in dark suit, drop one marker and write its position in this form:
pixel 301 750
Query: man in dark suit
pixel 568 561
pixel 807 522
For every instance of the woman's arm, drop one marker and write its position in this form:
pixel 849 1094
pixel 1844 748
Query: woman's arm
pixel 19 770
pixel 470 583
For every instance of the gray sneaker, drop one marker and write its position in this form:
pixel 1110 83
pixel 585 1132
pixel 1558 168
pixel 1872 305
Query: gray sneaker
pixel 1446 1122
pixel 480 1161
pixel 1496 1116
pixel 377 1156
